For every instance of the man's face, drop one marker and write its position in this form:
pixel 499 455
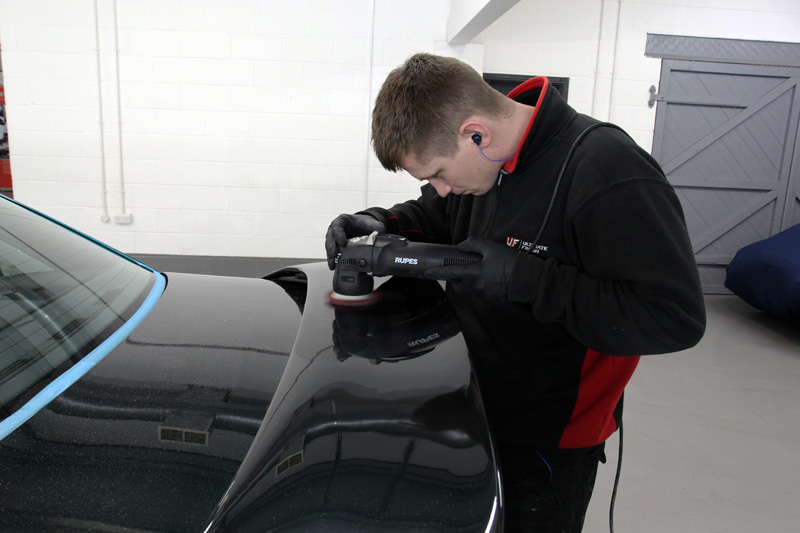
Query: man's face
pixel 460 173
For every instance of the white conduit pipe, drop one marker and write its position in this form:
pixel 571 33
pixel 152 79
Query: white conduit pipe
pixel 119 111
pixel 369 100
pixel 104 217
pixel 614 60
pixel 597 57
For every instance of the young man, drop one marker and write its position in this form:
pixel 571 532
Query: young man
pixel 586 265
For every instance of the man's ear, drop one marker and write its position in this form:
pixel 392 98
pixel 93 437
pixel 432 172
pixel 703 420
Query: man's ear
pixel 473 127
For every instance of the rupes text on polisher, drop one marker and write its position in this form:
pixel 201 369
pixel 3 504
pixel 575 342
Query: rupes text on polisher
pixel 424 340
pixel 406 260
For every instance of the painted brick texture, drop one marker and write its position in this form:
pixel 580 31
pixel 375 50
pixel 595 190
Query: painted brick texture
pixel 241 127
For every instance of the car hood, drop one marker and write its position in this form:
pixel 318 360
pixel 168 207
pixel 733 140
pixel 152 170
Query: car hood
pixel 150 438
pixel 253 405
pixel 376 425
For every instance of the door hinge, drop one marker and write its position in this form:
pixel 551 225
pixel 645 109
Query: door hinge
pixel 653 96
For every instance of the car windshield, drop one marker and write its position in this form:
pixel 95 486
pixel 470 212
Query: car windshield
pixel 61 295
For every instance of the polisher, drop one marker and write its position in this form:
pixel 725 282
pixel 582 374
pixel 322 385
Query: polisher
pixel 386 255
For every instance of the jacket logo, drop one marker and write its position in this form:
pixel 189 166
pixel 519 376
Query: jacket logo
pixel 406 260
pixel 525 246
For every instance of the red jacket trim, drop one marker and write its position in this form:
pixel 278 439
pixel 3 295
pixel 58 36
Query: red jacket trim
pixel 539 82
pixel 603 380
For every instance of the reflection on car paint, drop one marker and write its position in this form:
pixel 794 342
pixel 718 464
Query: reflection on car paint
pixel 252 404
pixel 65 302
pixel 349 441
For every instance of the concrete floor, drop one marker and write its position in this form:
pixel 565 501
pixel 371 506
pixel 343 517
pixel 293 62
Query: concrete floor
pixel 712 434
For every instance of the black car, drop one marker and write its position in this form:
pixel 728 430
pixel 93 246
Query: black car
pixel 139 401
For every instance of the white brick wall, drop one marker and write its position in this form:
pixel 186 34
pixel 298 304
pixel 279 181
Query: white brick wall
pixel 244 123
pixel 561 39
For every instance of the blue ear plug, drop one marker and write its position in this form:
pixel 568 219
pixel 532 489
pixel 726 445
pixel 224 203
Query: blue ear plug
pixel 477 140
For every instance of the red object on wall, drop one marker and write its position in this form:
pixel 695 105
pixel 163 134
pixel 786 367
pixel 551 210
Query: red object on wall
pixel 5 174
pixel 5 164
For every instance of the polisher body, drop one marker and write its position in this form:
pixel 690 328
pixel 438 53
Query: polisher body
pixel 388 255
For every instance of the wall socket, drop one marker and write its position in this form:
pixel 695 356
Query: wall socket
pixel 123 218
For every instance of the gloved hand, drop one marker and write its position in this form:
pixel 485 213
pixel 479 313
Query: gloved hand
pixel 490 277
pixel 345 227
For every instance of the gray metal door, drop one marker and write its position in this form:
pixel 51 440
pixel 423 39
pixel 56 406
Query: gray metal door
pixel 727 138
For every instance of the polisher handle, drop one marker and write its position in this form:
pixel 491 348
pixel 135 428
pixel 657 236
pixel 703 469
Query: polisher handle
pixel 397 256
pixel 390 255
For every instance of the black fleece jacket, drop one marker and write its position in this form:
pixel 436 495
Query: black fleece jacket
pixel 612 274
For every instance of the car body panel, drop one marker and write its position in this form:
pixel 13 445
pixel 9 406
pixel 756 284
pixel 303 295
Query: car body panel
pixel 254 405
pixel 79 369
pixel 392 441
pixel 109 450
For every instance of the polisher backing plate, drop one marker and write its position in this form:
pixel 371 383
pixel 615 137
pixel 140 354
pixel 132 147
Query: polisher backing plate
pixel 342 300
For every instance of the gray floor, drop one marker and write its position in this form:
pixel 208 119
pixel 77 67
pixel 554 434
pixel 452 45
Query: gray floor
pixel 712 434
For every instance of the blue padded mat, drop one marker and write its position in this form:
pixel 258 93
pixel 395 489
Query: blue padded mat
pixel 766 274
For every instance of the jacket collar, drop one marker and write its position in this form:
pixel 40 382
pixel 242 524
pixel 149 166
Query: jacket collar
pixel 539 83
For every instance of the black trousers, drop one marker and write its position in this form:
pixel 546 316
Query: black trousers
pixel 548 490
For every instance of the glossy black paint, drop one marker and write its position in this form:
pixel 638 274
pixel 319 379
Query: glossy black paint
pixel 376 442
pixel 373 423
pixel 206 362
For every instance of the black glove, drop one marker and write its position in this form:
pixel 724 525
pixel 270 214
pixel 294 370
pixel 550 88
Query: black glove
pixel 490 277
pixel 345 227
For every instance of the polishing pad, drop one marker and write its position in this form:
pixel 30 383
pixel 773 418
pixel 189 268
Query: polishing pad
pixel 343 300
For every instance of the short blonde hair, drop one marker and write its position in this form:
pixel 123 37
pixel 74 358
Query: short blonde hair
pixel 422 104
